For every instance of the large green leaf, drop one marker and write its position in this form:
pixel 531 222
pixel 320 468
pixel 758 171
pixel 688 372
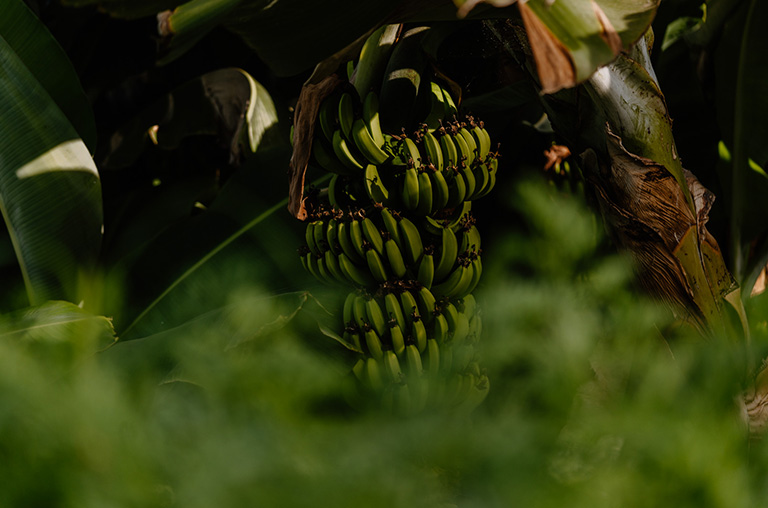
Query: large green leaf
pixel 50 196
pixel 46 60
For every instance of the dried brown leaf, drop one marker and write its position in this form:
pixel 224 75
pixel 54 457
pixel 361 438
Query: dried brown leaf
pixel 304 119
pixel 609 34
pixel 553 60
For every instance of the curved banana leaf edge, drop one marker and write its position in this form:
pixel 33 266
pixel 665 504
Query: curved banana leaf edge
pixel 50 193
pixel 226 103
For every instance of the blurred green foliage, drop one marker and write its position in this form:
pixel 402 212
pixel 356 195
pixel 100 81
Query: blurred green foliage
pixel 589 406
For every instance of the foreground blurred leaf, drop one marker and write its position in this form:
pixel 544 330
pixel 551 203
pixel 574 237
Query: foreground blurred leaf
pixel 50 196
pixel 45 59
pixel 58 324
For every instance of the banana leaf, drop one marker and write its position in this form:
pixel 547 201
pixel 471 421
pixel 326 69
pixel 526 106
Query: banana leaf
pixel 50 194
pixel 46 60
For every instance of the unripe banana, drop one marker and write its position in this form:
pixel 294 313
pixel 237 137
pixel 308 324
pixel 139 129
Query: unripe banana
pixel 395 259
pixel 398 339
pixel 376 265
pixel 469 139
pixel 457 189
pixel 344 153
pixel 449 150
pixel 426 273
pixel 424 206
pixel 441 193
pixel 345 242
pixel 392 366
pixel 427 304
pixel 410 190
pixel 359 312
pixel 373 235
pixel 352 272
pixel 349 303
pixel 366 144
pixel 442 330
pixel 390 224
pixel 374 376
pixel 395 310
pixel 374 185
pixel 409 306
pixel 371 118
pixel 411 238
pixel 433 150
pixel 357 237
pixel 419 334
pixel 346 114
pixel 449 249
pixel 413 363
pixel 331 262
pixel 376 316
pixel 433 357
pixel 373 343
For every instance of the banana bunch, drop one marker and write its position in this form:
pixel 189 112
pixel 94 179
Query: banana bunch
pixel 417 352
pixel 395 227
pixel 425 172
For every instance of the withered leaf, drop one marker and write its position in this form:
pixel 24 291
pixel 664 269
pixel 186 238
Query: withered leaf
pixel 553 60
pixel 304 119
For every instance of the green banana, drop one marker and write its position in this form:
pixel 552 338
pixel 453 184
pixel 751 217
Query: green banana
pixel 470 240
pixel 409 306
pixel 309 237
pixel 332 265
pixel 424 206
pixel 457 189
pixel 464 154
pixel 343 152
pixel 419 334
pixel 359 311
pixel 440 190
pixel 390 224
pixel 352 338
pixel 441 329
pixel 433 357
pixel 427 304
pixel 353 272
pixel 373 343
pixel 461 328
pixel 450 106
pixel 462 355
pixel 410 191
pixel 359 370
pixel 492 166
pixel 392 366
pixel 455 284
pixel 318 230
pixel 349 303
pixel 482 178
pixel 371 118
pixel 483 140
pixel 413 247
pixel 397 338
pixel 469 139
pixel 448 252
pixel 374 185
pixel 395 310
pixel 332 236
pixel 357 237
pixel 373 235
pixel 412 152
pixel 468 305
pixel 373 58
pixel 413 363
pixel 376 316
pixel 433 150
pixel 333 185
pixel 426 273
pixel 374 375
pixel 346 114
pixel 469 177
pixel 449 150
pixel 477 271
pixel 478 391
pixel 366 144
pixel 375 265
pixel 310 264
pixel 403 399
pixel 327 159
pixel 322 269
pixel 395 258
pixel 346 243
